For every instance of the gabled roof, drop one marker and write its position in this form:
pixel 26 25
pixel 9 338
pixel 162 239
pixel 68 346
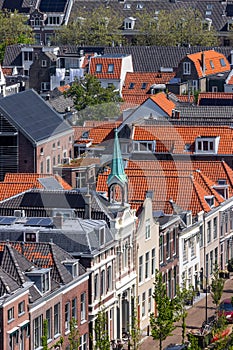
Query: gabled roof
pixel 104 73
pixel 95 134
pixel 215 62
pixel 29 113
pixel 163 102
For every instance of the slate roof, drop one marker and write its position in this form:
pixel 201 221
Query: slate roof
pixel 28 112
pixel 187 189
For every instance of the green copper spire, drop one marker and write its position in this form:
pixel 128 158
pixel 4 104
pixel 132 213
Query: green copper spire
pixel 117 166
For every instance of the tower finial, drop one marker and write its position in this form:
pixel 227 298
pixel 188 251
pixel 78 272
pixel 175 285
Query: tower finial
pixel 117 165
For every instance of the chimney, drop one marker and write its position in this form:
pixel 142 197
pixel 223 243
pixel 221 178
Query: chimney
pixel 203 62
pixel 87 198
pixel 58 221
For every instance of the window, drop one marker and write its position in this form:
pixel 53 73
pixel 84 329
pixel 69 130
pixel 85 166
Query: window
pixel 57 319
pixel 102 235
pixel 206 145
pixel 98 68
pixel 128 25
pixel 192 247
pixel 83 306
pixel 143 304
pixel 37 326
pixel 127 6
pixel 48 166
pixel 80 180
pixel 139 6
pixel 96 286
pixel 10 314
pixel 83 342
pixel 53 20
pixel 215 228
pixel 152 261
pixel 211 262
pixel 54 161
pixel 30 236
pixel 144 85
pixel 201 236
pixel 21 308
pixel 168 248
pixel 45 86
pixel 58 144
pixel 102 282
pixel 147 265
pixel 110 68
pixel 58 159
pixel 211 64
pixel 45 282
pixel 144 146
pixel 222 62
pixel 208 231
pixel 44 63
pixel 149 300
pixel 74 308
pixel 109 278
pixel 27 56
pixel 185 255
pixel 131 85
pixel 140 268
pixel 214 89
pixel 49 320
pixel 161 257
pixel 67 317
pixel 147 228
pixel 186 68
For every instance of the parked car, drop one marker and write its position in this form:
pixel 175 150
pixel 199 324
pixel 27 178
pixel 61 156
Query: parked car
pixel 226 309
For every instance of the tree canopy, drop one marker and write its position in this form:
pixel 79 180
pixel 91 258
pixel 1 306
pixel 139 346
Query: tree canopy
pixel 92 101
pixel 13 29
pixel 101 27
pixel 179 27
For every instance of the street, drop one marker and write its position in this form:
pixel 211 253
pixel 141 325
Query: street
pixel 196 315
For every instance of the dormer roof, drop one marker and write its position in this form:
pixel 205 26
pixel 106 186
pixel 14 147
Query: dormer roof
pixel 109 67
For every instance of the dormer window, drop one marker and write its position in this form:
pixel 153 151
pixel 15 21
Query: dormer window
pixel 222 62
pixel 131 85
pixel 30 236
pixel 144 146
pixel 41 278
pixel 186 68
pixel 98 68
pixel 72 267
pixel 144 85
pixel 222 188
pixel 207 144
pixel 187 147
pixel 129 23
pixel 110 68
pixel 210 201
pixel 139 6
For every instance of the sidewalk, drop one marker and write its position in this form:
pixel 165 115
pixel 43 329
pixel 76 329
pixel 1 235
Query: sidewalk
pixel 195 318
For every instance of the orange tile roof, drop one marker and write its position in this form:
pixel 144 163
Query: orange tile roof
pixel 214 95
pixel 131 101
pixel 179 180
pixel 63 88
pixel 213 56
pixel 97 134
pixel 140 78
pixel 185 98
pixel 7 71
pixel 163 102
pixel 173 139
pixel 105 61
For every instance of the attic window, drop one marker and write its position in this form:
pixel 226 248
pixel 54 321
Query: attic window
pixel 208 13
pixel 144 85
pixel 209 7
pixel 222 62
pixel 131 85
pixel 110 68
pixel 127 6
pixel 207 144
pixel 222 182
pixel 187 147
pixel 211 64
pixel 139 6
pixel 98 68
pixel 210 200
pixel 102 235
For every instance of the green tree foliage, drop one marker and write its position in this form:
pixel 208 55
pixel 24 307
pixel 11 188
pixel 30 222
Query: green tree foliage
pixel 183 296
pixel 135 332
pixel 179 27
pixel 74 336
pixel 216 287
pixel 13 30
pixel 101 27
pixel 92 101
pixel 101 338
pixel 44 337
pixel 162 323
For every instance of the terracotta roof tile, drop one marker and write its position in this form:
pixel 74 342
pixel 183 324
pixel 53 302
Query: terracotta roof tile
pixel 213 56
pixel 163 102
pixel 105 62
pixel 63 88
pixel 214 95
pixel 173 139
pixel 96 134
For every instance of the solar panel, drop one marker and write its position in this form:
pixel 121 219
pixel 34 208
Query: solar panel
pixel 52 5
pixel 6 220
pixel 45 222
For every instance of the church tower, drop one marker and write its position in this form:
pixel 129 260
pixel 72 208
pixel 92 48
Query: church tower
pixel 117 179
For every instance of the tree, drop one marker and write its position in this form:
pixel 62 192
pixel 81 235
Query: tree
pixel 183 295
pixel 135 332
pixel 44 338
pixel 101 338
pixel 92 101
pixel 74 337
pixel 179 27
pixel 13 30
pixel 100 27
pixel 162 323
pixel 216 287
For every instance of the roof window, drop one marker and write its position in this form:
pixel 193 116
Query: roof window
pixel 144 85
pixel 110 68
pixel 127 6
pixel 139 6
pixel 131 85
pixel 210 200
pixel 222 62
pixel 98 68
pixel 211 64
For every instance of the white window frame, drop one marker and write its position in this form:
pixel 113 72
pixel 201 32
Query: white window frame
pixel 83 301
pixel 186 68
